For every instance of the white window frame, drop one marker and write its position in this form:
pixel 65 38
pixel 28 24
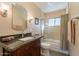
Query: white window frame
pixel 53 24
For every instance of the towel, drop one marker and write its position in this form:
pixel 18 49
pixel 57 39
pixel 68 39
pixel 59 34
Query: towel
pixel 71 31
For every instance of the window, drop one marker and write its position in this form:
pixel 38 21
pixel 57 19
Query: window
pixel 54 21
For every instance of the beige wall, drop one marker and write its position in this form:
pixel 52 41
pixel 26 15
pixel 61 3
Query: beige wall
pixel 31 8
pixel 74 11
pixel 55 14
pixel 5 23
pixel 53 32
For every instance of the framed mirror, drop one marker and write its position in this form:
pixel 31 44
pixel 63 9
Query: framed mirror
pixel 19 17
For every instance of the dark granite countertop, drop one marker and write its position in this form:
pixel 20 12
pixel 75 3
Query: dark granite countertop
pixel 16 43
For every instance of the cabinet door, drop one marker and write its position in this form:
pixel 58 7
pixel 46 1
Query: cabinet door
pixel 30 49
pixel 35 48
pixel 19 52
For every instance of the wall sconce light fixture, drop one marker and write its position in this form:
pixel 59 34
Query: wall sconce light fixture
pixel 3 9
pixel 30 18
pixel 4 13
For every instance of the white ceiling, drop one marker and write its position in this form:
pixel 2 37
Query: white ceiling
pixel 51 6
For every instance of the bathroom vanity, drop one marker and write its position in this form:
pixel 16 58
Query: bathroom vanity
pixel 18 47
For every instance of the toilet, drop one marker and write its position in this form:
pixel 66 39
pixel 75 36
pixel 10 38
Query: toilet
pixel 45 46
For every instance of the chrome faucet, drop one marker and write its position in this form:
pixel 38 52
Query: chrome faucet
pixel 22 35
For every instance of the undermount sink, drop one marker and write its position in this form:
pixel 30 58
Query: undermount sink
pixel 26 38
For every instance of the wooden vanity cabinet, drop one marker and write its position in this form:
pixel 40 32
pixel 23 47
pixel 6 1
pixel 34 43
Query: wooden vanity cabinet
pixel 29 49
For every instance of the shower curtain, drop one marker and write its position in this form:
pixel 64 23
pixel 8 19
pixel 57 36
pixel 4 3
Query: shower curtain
pixel 64 31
